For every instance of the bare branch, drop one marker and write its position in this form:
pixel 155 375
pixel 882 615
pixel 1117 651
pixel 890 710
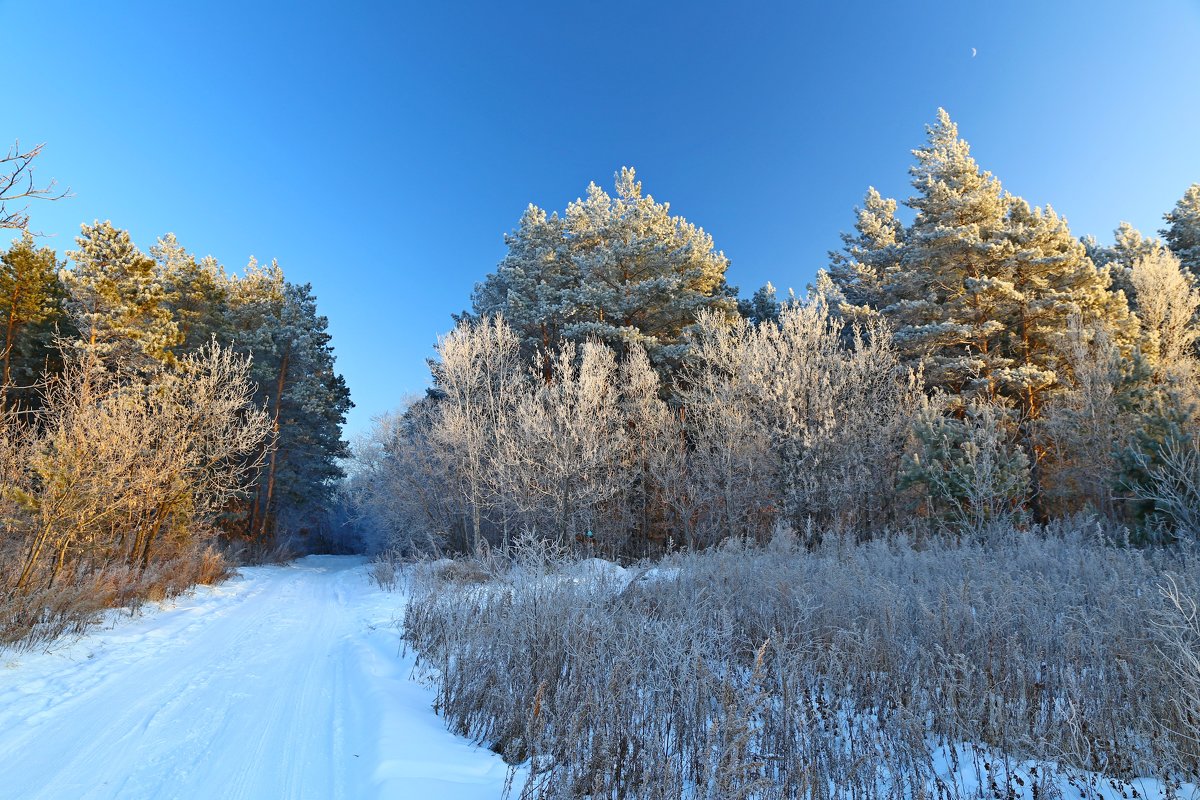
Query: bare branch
pixel 17 183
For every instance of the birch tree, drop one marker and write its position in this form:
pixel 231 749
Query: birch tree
pixel 477 374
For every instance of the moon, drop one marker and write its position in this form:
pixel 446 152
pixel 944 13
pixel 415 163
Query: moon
pixel 973 52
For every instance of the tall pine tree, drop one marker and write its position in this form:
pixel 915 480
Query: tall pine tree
pixel 532 286
pixel 31 314
pixel 116 301
pixel 618 268
pixel 195 290
pixel 277 323
pixel 1183 229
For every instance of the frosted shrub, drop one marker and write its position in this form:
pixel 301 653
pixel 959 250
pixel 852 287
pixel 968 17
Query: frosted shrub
pixel 778 672
pixel 112 493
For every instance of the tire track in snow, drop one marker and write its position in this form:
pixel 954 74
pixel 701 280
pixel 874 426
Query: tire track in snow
pixel 285 683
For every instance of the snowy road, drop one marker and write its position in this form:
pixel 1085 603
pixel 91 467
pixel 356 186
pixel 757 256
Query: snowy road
pixel 283 683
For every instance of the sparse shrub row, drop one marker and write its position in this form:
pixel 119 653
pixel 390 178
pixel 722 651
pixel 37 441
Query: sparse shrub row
pixel 780 672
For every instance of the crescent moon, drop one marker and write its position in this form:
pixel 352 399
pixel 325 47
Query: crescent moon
pixel 973 52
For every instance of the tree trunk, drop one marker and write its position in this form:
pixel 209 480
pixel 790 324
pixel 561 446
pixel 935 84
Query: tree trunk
pixel 9 332
pixel 263 513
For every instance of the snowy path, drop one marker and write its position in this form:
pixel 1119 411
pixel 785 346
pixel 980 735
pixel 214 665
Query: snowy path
pixel 283 683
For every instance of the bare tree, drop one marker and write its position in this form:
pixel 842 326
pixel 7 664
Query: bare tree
pixel 733 462
pixel 17 183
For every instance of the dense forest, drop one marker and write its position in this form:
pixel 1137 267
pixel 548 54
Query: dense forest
pixel 160 418
pixel 978 367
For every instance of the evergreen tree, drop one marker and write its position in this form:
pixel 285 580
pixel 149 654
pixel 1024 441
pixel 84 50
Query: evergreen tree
pixel 948 298
pixel 293 364
pixel 1167 304
pixel 1052 281
pixel 116 301
pixel 645 276
pixel 618 268
pixel 196 292
pixel 764 306
pixel 1129 244
pixel 870 259
pixel 532 285
pixel 981 287
pixel 31 311
pixel 970 472
pixel 1183 229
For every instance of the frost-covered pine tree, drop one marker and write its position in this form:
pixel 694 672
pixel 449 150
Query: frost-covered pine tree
pixel 971 473
pixel 870 258
pixel 645 275
pixel 1051 282
pixel 197 292
pixel 1129 244
pixel 948 299
pixel 763 306
pixel 979 288
pixel 532 286
pixel 618 268
pixel 1183 229
pixel 1167 304
pixel 277 324
pixel 116 301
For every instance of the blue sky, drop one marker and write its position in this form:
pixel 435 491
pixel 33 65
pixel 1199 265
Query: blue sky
pixel 381 150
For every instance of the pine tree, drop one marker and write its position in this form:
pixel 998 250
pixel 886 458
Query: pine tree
pixel 278 325
pixel 531 286
pixel 196 292
pixel 1129 244
pixel 645 276
pixel 31 311
pixel 618 268
pixel 1183 229
pixel 969 470
pixel 116 301
pixel 763 306
pixel 870 259
pixel 981 287
pixel 1167 305
pixel 948 299
pixel 1052 281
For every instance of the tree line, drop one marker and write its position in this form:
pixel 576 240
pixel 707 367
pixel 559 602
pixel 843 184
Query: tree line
pixel 156 413
pixel 979 366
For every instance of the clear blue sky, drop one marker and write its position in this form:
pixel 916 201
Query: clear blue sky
pixel 380 150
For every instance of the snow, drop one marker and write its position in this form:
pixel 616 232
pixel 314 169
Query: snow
pixel 599 570
pixel 968 770
pixel 286 682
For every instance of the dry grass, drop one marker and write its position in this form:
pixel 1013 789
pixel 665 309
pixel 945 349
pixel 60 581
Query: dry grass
pixel 782 673
pixel 70 607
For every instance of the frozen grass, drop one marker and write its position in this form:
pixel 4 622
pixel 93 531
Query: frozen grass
pixel 849 671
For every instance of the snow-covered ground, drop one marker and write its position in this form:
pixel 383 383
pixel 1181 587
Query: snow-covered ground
pixel 285 682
